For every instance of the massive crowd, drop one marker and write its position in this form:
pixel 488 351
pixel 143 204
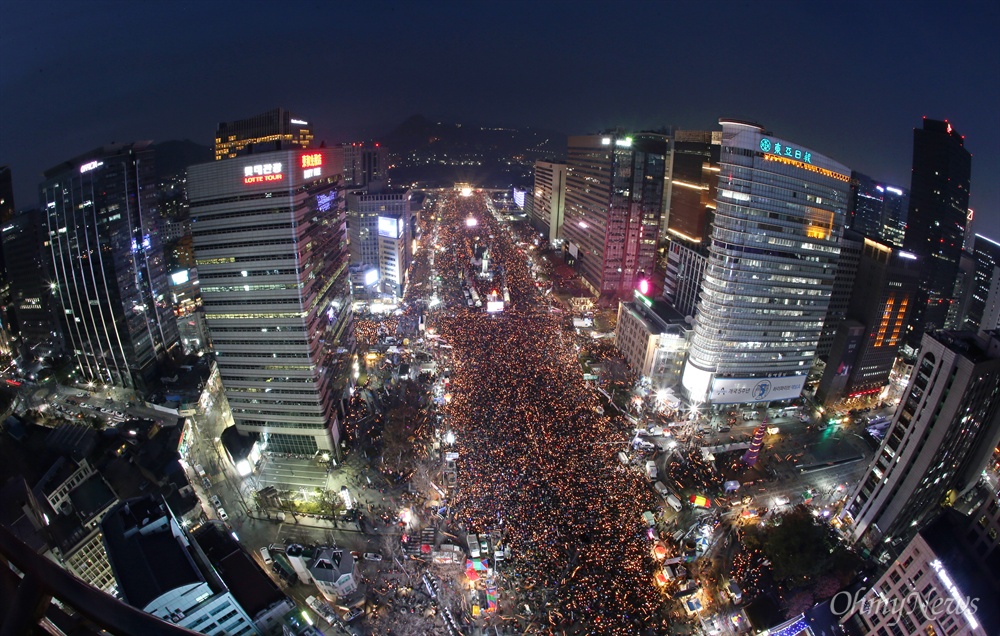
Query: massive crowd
pixel 537 459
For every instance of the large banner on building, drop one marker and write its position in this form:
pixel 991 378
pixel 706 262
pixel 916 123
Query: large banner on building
pixel 733 390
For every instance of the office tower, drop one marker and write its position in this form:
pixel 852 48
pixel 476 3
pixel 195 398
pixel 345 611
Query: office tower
pixel 548 199
pixel 939 214
pixel 107 264
pixel 615 188
pixel 26 243
pixel 364 164
pixel 877 210
pixel 939 441
pixel 961 292
pixel 161 570
pixel 977 305
pixel 937 585
pixel 271 250
pixel 8 326
pixel 693 182
pixel 881 301
pixel 772 261
pixel 851 245
pixel 378 220
pixel 274 130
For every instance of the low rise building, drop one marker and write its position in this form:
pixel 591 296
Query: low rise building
pixel 653 337
pixel 334 572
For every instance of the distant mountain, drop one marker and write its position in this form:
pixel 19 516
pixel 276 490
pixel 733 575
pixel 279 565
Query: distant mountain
pixel 173 157
pixel 440 153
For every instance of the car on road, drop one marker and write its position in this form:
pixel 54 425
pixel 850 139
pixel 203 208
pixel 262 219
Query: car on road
pixel 353 615
pixel 474 546
pixel 216 501
pixel 661 488
pixel 223 516
pixel 266 556
pixel 484 546
pixel 373 556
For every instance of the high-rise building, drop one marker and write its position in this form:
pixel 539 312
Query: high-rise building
pixel 615 188
pixel 161 570
pixel 548 199
pixel 779 217
pixel 877 210
pixel 881 301
pixel 693 182
pixel 851 244
pixel 274 130
pixel 939 584
pixel 270 242
pixel 938 216
pixel 378 220
pixel 107 264
pixel 26 243
pixel 364 164
pixel 939 441
pixel 977 306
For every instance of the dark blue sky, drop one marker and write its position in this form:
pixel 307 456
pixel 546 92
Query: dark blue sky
pixel 848 79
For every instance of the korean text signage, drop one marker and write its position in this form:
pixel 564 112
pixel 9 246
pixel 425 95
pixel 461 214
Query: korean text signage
pixel 312 164
pixel 733 391
pixel 784 150
pixel 262 173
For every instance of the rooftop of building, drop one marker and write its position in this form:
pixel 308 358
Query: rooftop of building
pixel 73 439
pixel 329 564
pixel 962 566
pixel 16 513
pixel 91 497
pixel 658 315
pixel 977 348
pixel 252 588
pixel 107 150
pixel 146 558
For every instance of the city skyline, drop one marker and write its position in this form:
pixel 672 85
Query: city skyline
pixel 432 59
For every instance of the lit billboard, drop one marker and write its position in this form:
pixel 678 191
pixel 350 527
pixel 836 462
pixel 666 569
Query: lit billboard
pixel 390 227
pixel 179 278
pixel 734 391
pixel 519 198
pixel 371 277
pixel 494 306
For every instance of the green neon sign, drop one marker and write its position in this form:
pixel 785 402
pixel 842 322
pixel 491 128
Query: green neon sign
pixel 784 150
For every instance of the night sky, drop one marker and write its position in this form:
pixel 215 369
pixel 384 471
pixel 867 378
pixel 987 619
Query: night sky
pixel 849 80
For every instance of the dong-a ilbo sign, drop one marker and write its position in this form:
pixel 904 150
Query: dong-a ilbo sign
pixel 262 173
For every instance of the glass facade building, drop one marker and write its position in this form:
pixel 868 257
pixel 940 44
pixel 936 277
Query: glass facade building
pixel 270 242
pixel 937 220
pixel 107 265
pixel 780 213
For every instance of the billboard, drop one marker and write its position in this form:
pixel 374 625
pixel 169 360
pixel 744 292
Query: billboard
pixel 390 227
pixel 740 390
pixel 494 306
pixel 180 277
pixel 519 198
pixel 371 277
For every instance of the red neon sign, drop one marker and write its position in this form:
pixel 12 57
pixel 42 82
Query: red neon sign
pixel 263 178
pixel 312 160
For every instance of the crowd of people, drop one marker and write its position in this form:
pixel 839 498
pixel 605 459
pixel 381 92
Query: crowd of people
pixel 537 456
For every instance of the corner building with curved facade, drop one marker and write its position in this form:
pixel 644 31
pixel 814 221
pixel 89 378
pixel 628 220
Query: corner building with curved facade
pixel 270 242
pixel 780 211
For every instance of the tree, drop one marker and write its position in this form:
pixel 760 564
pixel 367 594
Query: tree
pixel 800 550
